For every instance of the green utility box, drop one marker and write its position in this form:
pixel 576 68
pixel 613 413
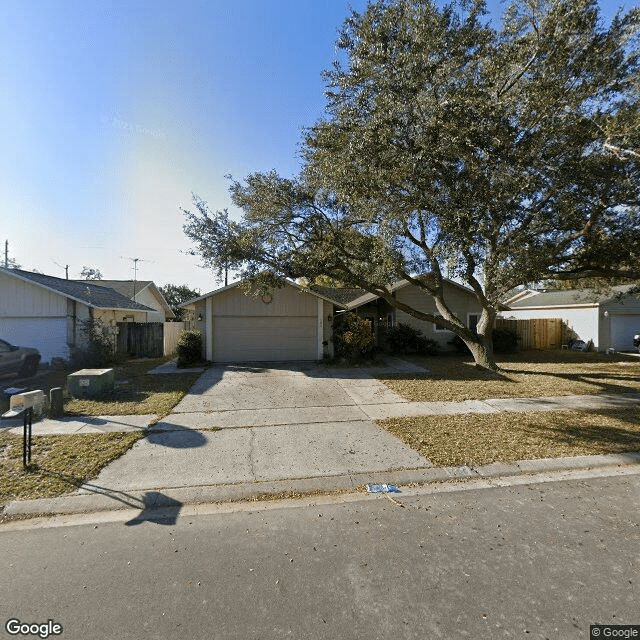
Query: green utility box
pixel 89 383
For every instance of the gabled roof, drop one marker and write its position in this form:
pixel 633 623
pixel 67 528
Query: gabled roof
pixel 131 288
pixel 341 295
pixel 233 285
pixel 86 292
pixel 568 297
pixel 368 297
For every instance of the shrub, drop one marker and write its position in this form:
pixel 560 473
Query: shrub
pixel 189 348
pixel 504 341
pixel 352 337
pixel 98 345
pixel 404 339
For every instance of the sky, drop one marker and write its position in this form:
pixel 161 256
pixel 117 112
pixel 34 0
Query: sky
pixel 113 112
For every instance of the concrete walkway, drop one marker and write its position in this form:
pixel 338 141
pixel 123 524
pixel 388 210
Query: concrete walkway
pixel 249 429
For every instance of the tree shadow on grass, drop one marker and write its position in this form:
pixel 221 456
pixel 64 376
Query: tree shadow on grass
pixel 614 430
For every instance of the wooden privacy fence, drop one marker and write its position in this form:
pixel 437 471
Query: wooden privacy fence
pixel 140 339
pixel 536 333
pixel 172 331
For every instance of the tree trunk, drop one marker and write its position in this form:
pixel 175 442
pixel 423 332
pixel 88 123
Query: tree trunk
pixel 482 354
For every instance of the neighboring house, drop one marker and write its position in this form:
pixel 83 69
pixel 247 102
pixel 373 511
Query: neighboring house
pixel 461 300
pixel 290 323
pixel 47 313
pixel 609 319
pixel 144 292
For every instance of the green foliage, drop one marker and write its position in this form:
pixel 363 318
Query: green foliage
pixel 505 340
pixel 352 337
pixel 175 295
pixel 500 156
pixel 89 273
pixel 189 348
pixel 97 345
pixel 404 339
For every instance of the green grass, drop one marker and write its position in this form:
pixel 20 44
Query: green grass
pixel 483 438
pixel 59 464
pixel 528 374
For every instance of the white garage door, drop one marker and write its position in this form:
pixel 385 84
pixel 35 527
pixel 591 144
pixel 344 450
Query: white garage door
pixel 47 335
pixel 274 338
pixel 623 328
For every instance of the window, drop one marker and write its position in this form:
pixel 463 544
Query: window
pixel 438 328
pixel 472 321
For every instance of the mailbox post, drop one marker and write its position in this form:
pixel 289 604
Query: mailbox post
pixel 24 404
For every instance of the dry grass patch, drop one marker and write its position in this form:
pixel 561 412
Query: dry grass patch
pixel 483 438
pixel 525 375
pixel 137 392
pixel 59 464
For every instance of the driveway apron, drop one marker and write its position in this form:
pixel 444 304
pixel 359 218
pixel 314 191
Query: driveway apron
pixel 252 423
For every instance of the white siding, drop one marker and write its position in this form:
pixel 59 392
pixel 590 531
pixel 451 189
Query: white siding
pixel 47 335
pixel 147 298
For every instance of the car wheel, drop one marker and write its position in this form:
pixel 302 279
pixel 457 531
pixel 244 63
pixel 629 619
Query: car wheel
pixel 29 367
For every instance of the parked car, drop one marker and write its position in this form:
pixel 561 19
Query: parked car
pixel 636 341
pixel 22 361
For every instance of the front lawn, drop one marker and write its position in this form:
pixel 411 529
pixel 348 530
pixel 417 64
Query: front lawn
pixel 504 437
pixel 136 390
pixel 525 375
pixel 59 464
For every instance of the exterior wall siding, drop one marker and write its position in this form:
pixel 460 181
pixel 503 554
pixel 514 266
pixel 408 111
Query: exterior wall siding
pixel 459 301
pixel 20 299
pixel 147 298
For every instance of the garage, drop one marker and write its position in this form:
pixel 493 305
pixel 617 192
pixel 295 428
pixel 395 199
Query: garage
pixel 623 328
pixel 287 324
pixel 238 339
pixel 47 335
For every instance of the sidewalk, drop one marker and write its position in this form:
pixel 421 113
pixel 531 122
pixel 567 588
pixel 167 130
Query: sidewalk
pixel 249 461
pixel 381 409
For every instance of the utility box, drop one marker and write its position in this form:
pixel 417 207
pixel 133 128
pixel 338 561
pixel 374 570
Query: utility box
pixel 89 383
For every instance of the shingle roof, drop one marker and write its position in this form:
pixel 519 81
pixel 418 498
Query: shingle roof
pixel 98 297
pixel 124 287
pixel 568 297
pixel 341 295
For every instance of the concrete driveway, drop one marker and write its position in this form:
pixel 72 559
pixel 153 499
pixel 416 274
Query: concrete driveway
pixel 253 423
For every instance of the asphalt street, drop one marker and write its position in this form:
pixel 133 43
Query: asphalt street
pixel 537 560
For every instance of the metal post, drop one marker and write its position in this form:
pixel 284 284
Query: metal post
pixel 26 437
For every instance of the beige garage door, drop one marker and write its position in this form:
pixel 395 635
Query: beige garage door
pixel 274 338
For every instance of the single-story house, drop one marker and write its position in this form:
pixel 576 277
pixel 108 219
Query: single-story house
pixel 45 312
pixel 289 323
pixel 610 319
pixel 144 292
pixel 460 299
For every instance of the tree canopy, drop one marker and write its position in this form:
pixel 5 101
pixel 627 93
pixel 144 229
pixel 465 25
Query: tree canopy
pixel 494 156
pixel 90 273
pixel 177 294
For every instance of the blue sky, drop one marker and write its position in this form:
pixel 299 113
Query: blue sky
pixel 113 111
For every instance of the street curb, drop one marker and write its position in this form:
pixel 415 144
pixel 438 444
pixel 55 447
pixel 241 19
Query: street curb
pixel 148 500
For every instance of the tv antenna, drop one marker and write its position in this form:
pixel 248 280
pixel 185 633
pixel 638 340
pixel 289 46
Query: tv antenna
pixel 135 271
pixel 65 267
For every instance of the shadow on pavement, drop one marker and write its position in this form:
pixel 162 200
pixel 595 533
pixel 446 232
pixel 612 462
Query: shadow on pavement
pixel 158 508
pixel 177 438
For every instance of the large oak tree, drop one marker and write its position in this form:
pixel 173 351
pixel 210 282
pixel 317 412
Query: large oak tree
pixel 495 156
